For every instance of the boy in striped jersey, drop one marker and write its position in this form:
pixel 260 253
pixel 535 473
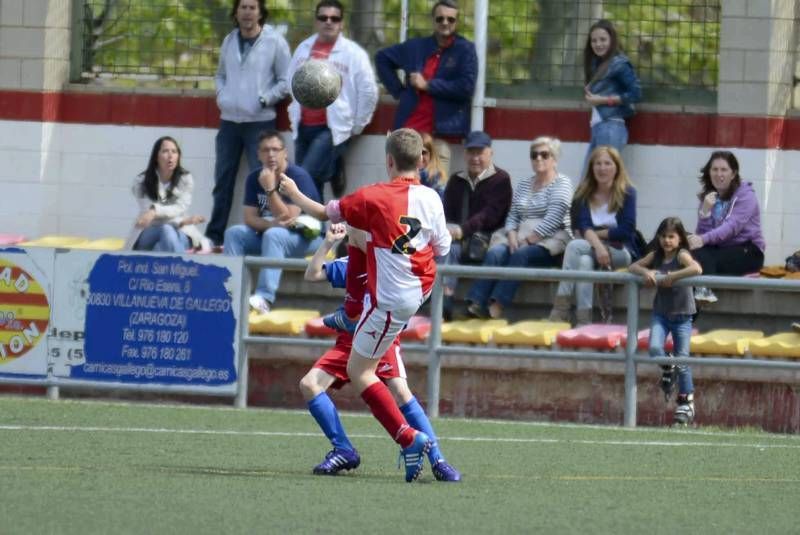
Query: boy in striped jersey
pixel 406 229
pixel 330 370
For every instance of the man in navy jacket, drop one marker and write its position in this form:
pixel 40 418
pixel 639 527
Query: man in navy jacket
pixel 440 73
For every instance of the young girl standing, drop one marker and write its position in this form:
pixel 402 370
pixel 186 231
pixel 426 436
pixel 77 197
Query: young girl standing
pixel 667 261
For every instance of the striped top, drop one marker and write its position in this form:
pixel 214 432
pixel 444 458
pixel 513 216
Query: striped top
pixel 551 204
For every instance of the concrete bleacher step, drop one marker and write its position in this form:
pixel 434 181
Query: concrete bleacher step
pixel 103 244
pixel 11 239
pixel 780 345
pixel 281 321
pixel 732 342
pixel 530 333
pixel 55 241
pixel 473 331
pixel 600 336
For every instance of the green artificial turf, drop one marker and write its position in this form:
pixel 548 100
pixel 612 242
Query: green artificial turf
pixel 95 467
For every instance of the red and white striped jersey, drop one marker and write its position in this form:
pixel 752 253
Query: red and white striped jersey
pixel 406 229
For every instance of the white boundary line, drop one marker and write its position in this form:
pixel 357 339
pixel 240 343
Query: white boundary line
pixel 162 430
pixel 558 425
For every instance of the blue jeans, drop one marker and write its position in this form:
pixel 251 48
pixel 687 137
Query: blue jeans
pixel 503 291
pixel 579 255
pixel 613 133
pixel 680 325
pixel 162 237
pixel 231 139
pixel 314 151
pixel 275 242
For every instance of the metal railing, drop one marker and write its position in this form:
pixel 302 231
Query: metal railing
pixel 436 349
pixel 534 49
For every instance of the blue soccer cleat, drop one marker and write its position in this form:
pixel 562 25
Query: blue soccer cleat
pixel 337 460
pixel 444 471
pixel 339 321
pixel 414 455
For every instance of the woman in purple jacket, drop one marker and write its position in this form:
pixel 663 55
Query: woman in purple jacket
pixel 728 239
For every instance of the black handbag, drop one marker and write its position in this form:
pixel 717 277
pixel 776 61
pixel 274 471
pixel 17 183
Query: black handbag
pixel 473 248
pixel 793 262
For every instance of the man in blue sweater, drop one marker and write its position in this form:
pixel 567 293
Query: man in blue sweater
pixel 440 72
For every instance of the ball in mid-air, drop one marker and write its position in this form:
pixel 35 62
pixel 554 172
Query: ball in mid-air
pixel 316 84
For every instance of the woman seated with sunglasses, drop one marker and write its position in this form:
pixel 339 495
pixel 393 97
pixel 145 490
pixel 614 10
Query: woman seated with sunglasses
pixel 536 230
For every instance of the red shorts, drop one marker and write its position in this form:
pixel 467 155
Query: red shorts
pixel 334 361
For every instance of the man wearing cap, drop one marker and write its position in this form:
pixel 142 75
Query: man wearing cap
pixel 440 73
pixel 475 200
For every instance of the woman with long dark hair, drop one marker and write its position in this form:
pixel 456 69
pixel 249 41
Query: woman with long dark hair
pixel 611 86
pixel 164 193
pixel 728 238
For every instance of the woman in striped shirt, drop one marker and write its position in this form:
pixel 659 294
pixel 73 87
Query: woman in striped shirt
pixel 536 230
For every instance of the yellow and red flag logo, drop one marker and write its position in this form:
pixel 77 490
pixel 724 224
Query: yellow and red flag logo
pixel 24 312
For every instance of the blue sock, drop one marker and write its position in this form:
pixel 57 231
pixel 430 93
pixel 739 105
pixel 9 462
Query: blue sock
pixel 419 420
pixel 324 412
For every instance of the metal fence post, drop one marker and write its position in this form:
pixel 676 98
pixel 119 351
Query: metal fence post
pixel 434 341
pixel 240 402
pixel 629 419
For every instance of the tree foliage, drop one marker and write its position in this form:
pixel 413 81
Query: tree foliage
pixel 532 44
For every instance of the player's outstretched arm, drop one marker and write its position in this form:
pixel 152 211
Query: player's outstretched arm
pixel 315 271
pixel 289 188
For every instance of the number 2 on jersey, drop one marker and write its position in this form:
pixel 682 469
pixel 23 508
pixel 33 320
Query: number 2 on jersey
pixel 402 244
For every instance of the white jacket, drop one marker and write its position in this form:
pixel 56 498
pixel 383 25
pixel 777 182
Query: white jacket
pixel 170 211
pixel 352 110
pixel 262 74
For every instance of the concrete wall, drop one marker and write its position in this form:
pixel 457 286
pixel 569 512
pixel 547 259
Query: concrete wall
pixel 34 44
pixel 62 176
pixel 75 179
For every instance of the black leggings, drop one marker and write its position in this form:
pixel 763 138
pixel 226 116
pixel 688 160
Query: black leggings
pixel 733 260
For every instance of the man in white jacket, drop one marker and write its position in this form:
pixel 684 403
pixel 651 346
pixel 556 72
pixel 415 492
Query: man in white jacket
pixel 321 136
pixel 251 78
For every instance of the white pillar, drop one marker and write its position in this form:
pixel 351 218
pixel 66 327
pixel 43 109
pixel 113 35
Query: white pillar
pixel 481 28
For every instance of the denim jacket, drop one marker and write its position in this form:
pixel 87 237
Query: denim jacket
pixel 620 79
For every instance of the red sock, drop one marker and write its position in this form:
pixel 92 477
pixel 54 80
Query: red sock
pixel 356 282
pixel 383 407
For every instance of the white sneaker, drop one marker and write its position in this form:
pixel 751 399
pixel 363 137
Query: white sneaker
pixel 704 295
pixel 259 304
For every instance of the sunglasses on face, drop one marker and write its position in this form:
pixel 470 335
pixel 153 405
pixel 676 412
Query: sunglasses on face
pixel 544 155
pixel 441 19
pixel 332 18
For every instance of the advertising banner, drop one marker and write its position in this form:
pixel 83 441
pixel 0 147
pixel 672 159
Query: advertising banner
pixel 146 319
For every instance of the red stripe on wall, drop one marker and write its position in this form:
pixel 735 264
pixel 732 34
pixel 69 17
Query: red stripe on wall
pixel 646 128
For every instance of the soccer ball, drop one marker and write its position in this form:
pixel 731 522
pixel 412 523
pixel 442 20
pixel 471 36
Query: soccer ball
pixel 316 84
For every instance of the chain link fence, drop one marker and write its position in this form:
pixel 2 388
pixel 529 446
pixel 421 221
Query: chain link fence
pixel 535 48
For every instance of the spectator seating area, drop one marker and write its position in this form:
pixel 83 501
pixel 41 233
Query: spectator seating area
pixel 601 337
pixel 533 333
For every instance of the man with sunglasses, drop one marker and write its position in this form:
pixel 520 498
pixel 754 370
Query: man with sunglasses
pixel 251 79
pixel 321 136
pixel 440 73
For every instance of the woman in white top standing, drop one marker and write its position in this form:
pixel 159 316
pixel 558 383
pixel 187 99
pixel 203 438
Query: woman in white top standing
pixel 164 193
pixel 536 230
pixel 605 220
